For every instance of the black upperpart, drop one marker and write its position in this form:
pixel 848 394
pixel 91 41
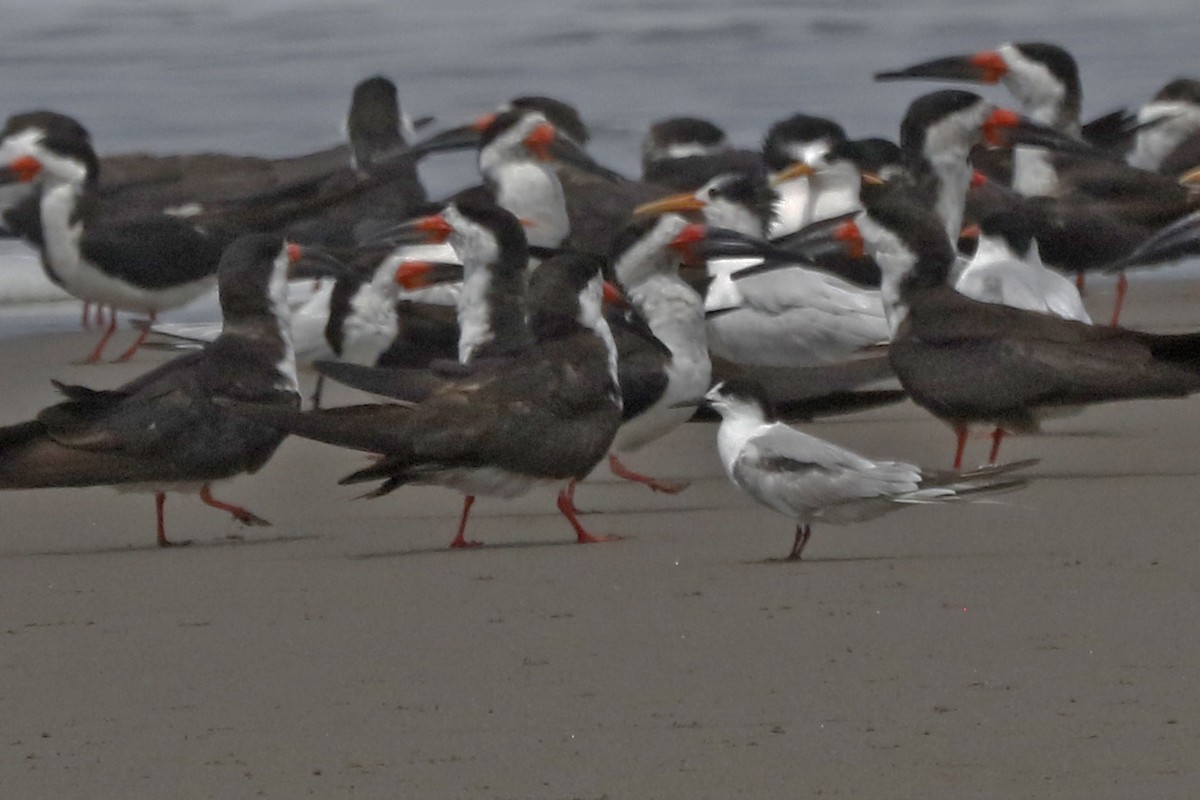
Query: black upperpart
pixel 1183 89
pixel 926 111
pixel 51 122
pixel 872 155
pixel 374 120
pixel 686 130
pixel 244 275
pixel 501 123
pixel 918 228
pixel 1012 225
pixel 1060 63
pixel 554 290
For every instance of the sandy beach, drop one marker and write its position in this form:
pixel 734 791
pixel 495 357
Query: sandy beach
pixel 1042 646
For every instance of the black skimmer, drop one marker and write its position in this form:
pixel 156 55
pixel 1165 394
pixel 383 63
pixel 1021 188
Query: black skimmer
pixel 656 375
pixel 1166 125
pixel 971 362
pixel 97 252
pixel 684 153
pixel 1094 194
pixel 547 415
pixel 797 317
pixel 146 265
pixel 809 479
pixel 167 431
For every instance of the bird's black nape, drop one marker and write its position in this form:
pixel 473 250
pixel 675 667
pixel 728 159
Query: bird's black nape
pixel 244 275
pixel 748 390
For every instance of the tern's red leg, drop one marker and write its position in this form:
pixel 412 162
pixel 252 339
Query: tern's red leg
pixel 997 437
pixel 1122 285
pixel 94 356
pixel 803 532
pixel 240 514
pixel 1079 281
pixel 128 354
pixel 960 433
pixel 566 504
pixel 459 540
pixel 622 471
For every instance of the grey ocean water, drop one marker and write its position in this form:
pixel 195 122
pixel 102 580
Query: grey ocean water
pixel 273 77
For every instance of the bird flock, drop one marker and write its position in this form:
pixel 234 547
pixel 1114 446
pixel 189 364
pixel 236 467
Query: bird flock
pixel 560 314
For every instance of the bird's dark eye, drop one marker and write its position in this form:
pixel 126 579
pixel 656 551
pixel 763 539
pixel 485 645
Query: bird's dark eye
pixel 713 192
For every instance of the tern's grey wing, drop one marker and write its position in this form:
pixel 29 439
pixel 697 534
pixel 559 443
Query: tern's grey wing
pixel 800 475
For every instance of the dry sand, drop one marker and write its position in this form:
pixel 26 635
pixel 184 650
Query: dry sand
pixel 1043 647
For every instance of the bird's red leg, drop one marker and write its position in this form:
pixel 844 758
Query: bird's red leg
pixel 566 504
pixel 960 433
pixel 459 541
pixel 622 471
pixel 240 514
pixel 1079 281
pixel 160 498
pixel 997 437
pixel 94 356
pixel 128 354
pixel 1122 285
pixel 803 532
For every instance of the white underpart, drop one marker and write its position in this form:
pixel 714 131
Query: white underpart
pixel 476 248
pixel 63 180
pixel 1042 97
pixel 834 191
pixel 277 293
pixel 895 262
pixel 86 281
pixel 592 317
pixel 793 209
pixel 486 481
pixel 996 274
pixel 308 325
pixel 530 191
pixel 371 325
pixel 790 207
pixel 1173 122
pixel 675 315
pixel 948 144
pixel 722 292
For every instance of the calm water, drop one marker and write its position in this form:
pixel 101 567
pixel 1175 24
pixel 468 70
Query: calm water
pixel 273 77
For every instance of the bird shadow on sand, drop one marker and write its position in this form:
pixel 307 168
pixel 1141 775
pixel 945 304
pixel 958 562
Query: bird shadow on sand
pixel 914 557
pixel 459 553
pixel 183 545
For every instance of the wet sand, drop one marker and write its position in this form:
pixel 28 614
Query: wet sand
pixel 1040 647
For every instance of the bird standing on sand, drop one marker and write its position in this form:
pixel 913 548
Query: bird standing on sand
pixel 810 479
pixel 166 430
